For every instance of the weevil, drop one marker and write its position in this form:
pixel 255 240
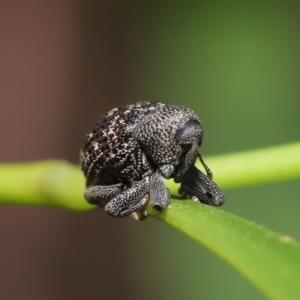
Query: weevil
pixel 133 149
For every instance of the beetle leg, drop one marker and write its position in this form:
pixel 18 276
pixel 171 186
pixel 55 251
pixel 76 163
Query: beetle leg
pixel 167 170
pixel 159 194
pixel 140 215
pixel 200 187
pixel 130 200
pixel 101 194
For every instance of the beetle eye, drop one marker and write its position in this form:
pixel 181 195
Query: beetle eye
pixel 186 147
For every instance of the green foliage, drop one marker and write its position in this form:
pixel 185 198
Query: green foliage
pixel 269 260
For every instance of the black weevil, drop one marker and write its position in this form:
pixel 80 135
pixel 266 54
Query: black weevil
pixel 133 149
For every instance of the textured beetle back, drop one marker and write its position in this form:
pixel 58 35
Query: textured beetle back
pixel 156 133
pixel 108 148
pixel 116 149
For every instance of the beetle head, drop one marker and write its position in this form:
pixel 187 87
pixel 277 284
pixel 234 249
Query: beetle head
pixel 189 138
pixel 169 135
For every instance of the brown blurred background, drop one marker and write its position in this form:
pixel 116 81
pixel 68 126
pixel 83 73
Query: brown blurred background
pixel 64 63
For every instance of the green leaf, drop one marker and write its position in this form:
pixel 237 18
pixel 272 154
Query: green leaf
pixel 269 260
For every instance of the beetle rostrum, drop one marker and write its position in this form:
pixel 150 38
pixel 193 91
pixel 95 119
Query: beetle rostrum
pixel 133 149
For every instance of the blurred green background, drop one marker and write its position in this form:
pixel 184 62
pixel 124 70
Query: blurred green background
pixel 235 63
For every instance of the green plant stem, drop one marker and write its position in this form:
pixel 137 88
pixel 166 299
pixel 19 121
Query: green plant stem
pixel 57 183
pixel 50 183
pixel 254 167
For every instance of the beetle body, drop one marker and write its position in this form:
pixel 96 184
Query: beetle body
pixel 133 149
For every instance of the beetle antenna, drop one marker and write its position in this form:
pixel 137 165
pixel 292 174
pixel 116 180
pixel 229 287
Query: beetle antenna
pixel 207 169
